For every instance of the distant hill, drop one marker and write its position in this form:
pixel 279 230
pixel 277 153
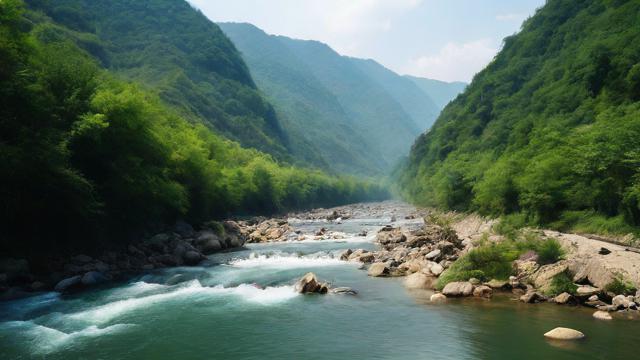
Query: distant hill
pixel 361 116
pixel 441 92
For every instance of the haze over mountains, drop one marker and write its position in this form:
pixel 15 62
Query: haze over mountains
pixel 361 117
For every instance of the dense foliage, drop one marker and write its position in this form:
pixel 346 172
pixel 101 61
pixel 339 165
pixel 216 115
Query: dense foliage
pixel 88 159
pixel 550 129
pixel 360 116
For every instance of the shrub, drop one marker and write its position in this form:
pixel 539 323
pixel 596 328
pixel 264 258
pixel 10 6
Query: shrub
pixel 492 261
pixel 510 225
pixel 562 282
pixel 620 287
pixel 549 251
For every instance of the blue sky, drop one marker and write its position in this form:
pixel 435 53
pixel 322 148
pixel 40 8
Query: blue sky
pixel 448 40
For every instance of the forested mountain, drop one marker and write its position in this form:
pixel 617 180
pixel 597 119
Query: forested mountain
pixel 347 108
pixel 550 129
pixel 89 158
pixel 179 54
pixel 441 92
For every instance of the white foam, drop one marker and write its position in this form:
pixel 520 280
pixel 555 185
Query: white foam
pixel 286 261
pixel 107 312
pixel 42 339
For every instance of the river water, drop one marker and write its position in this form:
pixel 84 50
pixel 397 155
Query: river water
pixel 216 311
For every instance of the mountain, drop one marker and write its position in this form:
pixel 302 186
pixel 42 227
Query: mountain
pixel 549 130
pixel 94 155
pixel 361 116
pixel 441 92
pixel 173 49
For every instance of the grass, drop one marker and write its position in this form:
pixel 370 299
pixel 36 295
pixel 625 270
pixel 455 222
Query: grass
pixel 562 282
pixel 590 222
pixel 620 287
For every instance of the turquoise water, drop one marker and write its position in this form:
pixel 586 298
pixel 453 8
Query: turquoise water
pixel 216 312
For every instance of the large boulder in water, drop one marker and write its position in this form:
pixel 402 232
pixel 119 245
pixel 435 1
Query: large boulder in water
pixel 420 280
pixel 561 333
pixel 378 269
pixel 309 284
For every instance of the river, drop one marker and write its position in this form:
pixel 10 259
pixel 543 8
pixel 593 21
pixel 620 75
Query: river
pixel 216 311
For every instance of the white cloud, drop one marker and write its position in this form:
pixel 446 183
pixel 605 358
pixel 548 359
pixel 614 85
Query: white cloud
pixel 348 26
pixel 455 61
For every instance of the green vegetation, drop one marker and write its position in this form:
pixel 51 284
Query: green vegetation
pixel 493 260
pixel 550 129
pixel 87 159
pixel 620 287
pixel 562 282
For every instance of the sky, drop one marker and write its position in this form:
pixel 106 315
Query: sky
pixel 447 40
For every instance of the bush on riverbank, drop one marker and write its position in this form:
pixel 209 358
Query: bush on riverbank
pixel 562 282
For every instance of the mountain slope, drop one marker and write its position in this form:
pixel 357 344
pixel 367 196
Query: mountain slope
pixel 346 103
pixel 415 102
pixel 179 53
pixel 550 129
pixel 440 92
pixel 319 129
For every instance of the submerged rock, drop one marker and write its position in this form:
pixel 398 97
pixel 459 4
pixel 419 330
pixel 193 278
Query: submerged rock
pixel 482 291
pixel 561 333
pixel 344 290
pixel 438 298
pixel 378 269
pixel 420 280
pixel 602 315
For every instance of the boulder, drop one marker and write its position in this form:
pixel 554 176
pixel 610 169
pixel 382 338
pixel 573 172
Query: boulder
pixel 93 278
pixel 525 268
pixel 433 255
pixel 378 269
pixel 183 228
pixel 157 242
pixel 530 297
pixel 211 246
pixel 544 275
pixel 602 315
pixel 390 235
pixel 192 257
pixel 561 333
pixel 413 266
pixel 593 271
pixel 620 302
pixel 419 280
pixel 366 258
pixel 436 269
pixel 458 288
pixel 482 291
pixel 497 284
pixel 438 298
pixel 564 298
pixel 68 284
pixel 344 290
pixel 345 255
pixel 587 291
pixel 309 284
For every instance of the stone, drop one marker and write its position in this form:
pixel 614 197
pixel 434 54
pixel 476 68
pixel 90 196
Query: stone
pixel 604 251
pixel 544 275
pixel 593 298
pixel 344 291
pixel 192 257
pixel 482 291
pixel 93 278
pixel 525 268
pixel 474 281
pixel 620 302
pixel 419 280
pixel 366 258
pixel 530 297
pixel 587 291
pixel 564 298
pixel 458 288
pixel 602 315
pixel 345 255
pixel 438 298
pixel 561 333
pixel 211 246
pixel 183 228
pixel 390 235
pixel 378 269
pixel 157 242
pixel 436 269
pixel 68 284
pixel 309 284
pixel 413 266
pixel 433 255
pixel 497 284
pixel 593 271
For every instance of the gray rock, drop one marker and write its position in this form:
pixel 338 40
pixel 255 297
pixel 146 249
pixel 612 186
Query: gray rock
pixel 438 298
pixel 602 315
pixel 68 284
pixel 93 278
pixel 433 255
pixel 497 284
pixel 192 257
pixel 419 280
pixel 587 291
pixel 183 228
pixel 564 298
pixel 482 291
pixel 620 302
pixel 344 290
pixel 531 297
pixel 309 284
pixel 458 288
